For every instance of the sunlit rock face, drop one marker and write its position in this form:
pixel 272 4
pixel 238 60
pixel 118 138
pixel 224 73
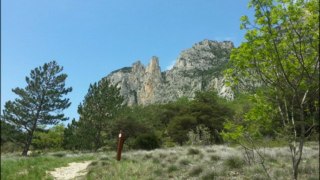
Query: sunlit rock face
pixel 198 68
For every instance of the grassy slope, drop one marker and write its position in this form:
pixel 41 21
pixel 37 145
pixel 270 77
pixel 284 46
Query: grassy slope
pixel 14 167
pixel 209 162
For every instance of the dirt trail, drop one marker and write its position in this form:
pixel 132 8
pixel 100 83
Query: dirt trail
pixel 72 171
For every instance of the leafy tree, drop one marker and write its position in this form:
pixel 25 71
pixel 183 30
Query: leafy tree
pixel 147 141
pixel 101 104
pixel 41 102
pixel 49 139
pixel 281 52
pixel 201 136
pixel 179 127
pixel 170 110
pixel 206 109
pixel 210 111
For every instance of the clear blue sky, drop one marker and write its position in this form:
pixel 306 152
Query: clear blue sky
pixel 91 38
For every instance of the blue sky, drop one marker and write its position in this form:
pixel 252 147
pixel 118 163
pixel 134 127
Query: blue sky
pixel 91 38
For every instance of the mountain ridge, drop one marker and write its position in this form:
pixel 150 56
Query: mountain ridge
pixel 198 68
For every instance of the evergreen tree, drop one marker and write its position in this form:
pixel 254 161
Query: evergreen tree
pixel 100 105
pixel 70 138
pixel 10 133
pixel 41 102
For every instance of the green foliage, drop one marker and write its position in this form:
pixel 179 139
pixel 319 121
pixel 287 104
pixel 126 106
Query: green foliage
pixel 201 136
pixel 172 168
pixel 70 136
pixel 31 168
pixel 258 121
pixel 170 122
pixel 234 162
pixel 59 154
pixel 179 127
pixel 281 55
pixel 101 104
pixel 196 171
pixel 206 109
pixel 40 103
pixel 184 162
pixel 193 151
pixel 11 137
pixel 51 139
pixel 147 141
pixel 209 176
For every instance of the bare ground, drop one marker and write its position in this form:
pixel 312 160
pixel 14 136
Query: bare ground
pixel 72 171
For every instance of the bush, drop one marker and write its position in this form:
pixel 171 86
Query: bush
pixel 234 162
pixel 210 176
pixel 147 142
pixel 185 162
pixel 214 158
pixel 59 154
pixel 11 147
pixel 195 171
pixel 172 168
pixel 201 136
pixel 193 151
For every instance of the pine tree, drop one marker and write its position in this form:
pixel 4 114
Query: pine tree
pixel 100 105
pixel 41 102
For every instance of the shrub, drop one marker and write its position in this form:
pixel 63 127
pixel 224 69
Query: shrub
pixel 201 136
pixel 209 176
pixel 214 158
pixel 158 172
pixel 172 168
pixel 155 160
pixel 195 171
pixel 234 162
pixel 185 162
pixel 147 156
pixel 193 151
pixel 59 154
pixel 94 163
pixel 10 147
pixel 147 142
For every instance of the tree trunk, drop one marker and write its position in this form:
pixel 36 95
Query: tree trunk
pixel 297 155
pixel 25 149
pixel 297 158
pixel 30 136
pixel 27 145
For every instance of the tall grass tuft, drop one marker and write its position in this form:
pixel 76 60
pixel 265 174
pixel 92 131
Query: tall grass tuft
pixel 234 162
pixel 209 176
pixel 172 168
pixel 195 171
pixel 193 151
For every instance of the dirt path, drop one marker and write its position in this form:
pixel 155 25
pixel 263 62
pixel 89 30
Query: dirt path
pixel 70 172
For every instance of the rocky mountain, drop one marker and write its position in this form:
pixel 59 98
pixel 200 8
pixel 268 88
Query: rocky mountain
pixel 198 68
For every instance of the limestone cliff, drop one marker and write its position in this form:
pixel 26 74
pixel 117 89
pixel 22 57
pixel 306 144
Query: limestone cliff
pixel 196 69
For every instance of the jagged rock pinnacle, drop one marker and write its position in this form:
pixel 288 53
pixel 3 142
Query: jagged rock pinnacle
pixel 197 69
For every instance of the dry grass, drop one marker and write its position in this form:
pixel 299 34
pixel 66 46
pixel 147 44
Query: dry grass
pixel 200 162
pixel 208 162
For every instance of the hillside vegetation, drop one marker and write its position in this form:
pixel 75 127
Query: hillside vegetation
pixel 187 162
pixel 222 112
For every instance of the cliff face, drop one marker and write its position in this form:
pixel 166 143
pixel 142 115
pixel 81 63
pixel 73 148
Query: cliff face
pixel 196 69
